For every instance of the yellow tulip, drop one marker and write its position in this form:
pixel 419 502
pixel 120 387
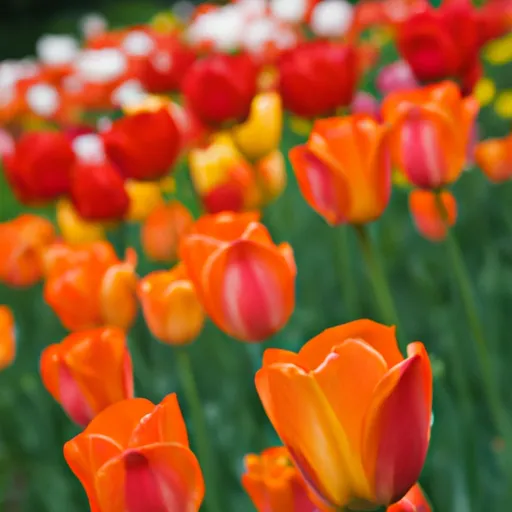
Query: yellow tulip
pixel 144 198
pixel 73 228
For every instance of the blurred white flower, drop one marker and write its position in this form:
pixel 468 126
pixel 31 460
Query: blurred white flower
pixel 138 44
pixel 129 93
pixel 89 148
pixel 56 50
pixel 162 61
pixel 253 8
pixel 93 25
pixel 43 99
pixel 101 66
pixel 263 31
pixel 332 18
pixel 291 11
pixel 103 124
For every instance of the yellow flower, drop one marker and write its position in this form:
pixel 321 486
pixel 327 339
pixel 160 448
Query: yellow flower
pixel 485 90
pixel 144 198
pixel 503 104
pixel 500 51
pixel 73 228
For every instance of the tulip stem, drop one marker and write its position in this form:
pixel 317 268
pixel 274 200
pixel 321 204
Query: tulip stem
pixel 383 296
pixel 200 430
pixel 347 276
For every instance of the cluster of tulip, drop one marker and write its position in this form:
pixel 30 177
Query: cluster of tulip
pixel 99 130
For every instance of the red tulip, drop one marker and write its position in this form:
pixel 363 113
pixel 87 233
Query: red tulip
pixel 98 192
pixel 232 83
pixel 39 169
pixel 144 145
pixel 318 77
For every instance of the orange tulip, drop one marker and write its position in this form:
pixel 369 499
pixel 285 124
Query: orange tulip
pixel 92 277
pixel 358 442
pixel 429 219
pixel 245 282
pixel 171 307
pixel 22 243
pixel 163 229
pixel 135 457
pixel 7 337
pixel 413 501
pixel 273 483
pixel 494 157
pixel 88 371
pixel 343 170
pixel 430 132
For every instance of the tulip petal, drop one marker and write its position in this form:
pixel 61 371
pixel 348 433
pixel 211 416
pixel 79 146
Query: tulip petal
pixel 49 369
pixel 225 226
pixel 7 337
pixel 162 476
pixel 277 355
pixel 322 187
pixel 397 426
pixel 381 337
pixel 308 427
pixel 253 290
pixel 164 424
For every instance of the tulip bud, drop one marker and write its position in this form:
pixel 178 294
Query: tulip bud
pixel 494 157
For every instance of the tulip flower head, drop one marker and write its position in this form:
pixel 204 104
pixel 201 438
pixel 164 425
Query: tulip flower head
pixel 171 306
pixel 135 456
pixel 413 501
pixel 274 484
pixel 245 282
pixel 358 443
pixel 73 228
pixel 494 157
pixel 344 170
pixel 91 275
pixel 23 241
pixel 7 337
pixel 88 371
pixel 430 132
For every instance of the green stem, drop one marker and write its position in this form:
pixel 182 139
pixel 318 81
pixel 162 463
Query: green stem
pixel 200 429
pixel 381 290
pixel 346 273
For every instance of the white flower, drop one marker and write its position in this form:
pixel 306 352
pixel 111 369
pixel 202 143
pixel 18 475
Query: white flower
pixel 89 148
pixel 138 44
pixel 93 25
pixel 56 50
pixel 291 11
pixel 43 99
pixel 129 93
pixel 332 18
pixel 101 66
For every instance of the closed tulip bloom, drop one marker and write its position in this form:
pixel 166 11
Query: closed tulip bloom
pixel 7 337
pixel 171 306
pixel 413 501
pixel 73 228
pixel 91 275
pixel 353 413
pixel 144 145
pixel 231 87
pixel 343 170
pixel 144 196
pixel 163 230
pixel 430 132
pixel 245 282
pixel 426 213
pixel 39 168
pixel 261 133
pixel 135 457
pixel 274 484
pixel 318 77
pixel 494 157
pixel 88 371
pixel 98 192
pixel 23 241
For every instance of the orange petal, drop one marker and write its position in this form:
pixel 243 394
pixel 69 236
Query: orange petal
pixel 308 427
pixel 7 337
pixel 257 232
pixel 49 369
pixel 323 189
pixel 381 337
pixel 164 475
pixel 494 157
pixel 164 424
pixel 225 226
pixel 397 427
pixel 251 290
pixel 277 355
pixel 413 501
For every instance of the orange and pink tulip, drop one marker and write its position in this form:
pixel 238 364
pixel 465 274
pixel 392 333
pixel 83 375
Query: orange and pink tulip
pixel 358 443
pixel 245 282
pixel 88 371
pixel 135 457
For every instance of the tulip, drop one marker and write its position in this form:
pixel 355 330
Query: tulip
pixel 413 501
pixel 73 228
pixel 358 443
pixel 7 337
pixel 245 282
pixel 98 192
pixel 88 371
pixel 343 170
pixel 318 77
pixel 144 197
pixel 163 229
pixel 494 157
pixel 144 145
pixel 135 457
pixel 23 241
pixel 270 175
pixel 261 133
pixel 170 306
pixel 394 77
pixel 92 276
pixel 430 133
pixel 39 169
pixel 231 87
pixel 426 212
pixel 365 103
pixel 273 483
